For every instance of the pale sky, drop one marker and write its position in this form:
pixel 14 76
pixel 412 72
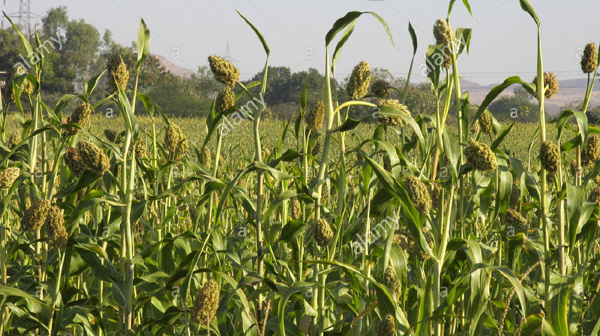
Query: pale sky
pixel 503 43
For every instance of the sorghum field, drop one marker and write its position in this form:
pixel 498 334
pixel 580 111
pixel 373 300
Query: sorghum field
pixel 135 223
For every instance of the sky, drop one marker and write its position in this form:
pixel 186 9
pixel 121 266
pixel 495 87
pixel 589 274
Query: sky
pixel 503 43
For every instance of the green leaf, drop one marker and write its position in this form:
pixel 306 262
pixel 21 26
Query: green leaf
pixel 413 37
pixel 387 110
pixel 292 230
pixel 143 44
pixel 502 135
pixel 24 40
pixel 11 291
pixel 258 34
pixel 466 2
pixel 147 104
pixel 338 48
pixel 582 123
pixel 464 36
pixel 91 84
pixel 565 303
pixel 497 91
pixel 347 20
pixel 277 174
pixel 527 7
pixel 452 150
pixel 348 125
pixel 578 212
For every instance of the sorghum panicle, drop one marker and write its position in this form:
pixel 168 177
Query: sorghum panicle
pixel 206 157
pixel 480 156
pixel 358 84
pixel 223 70
pixel 393 120
pixel 175 140
pixel 323 233
pixel 80 116
pixel 225 99
pixel 486 122
pixel 591 152
pixel 387 326
pixel 206 303
pixel 94 157
pixel 381 89
pixel 550 157
pixel 589 59
pixel 55 228
pixel 419 196
pixel 74 161
pixel 34 217
pixel 118 75
pixel 551 82
pixel 442 32
pixel 8 177
pixel 315 118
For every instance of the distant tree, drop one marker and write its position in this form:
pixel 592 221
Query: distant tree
pixel 419 99
pixel 80 48
pixel 10 49
pixel 522 94
pixel 55 23
pixel 509 108
pixel 594 115
pixel 573 105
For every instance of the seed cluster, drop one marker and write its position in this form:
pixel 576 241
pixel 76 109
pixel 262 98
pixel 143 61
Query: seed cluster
pixel 387 163
pixel 419 196
pixel 358 84
pixel 316 117
pixel 486 122
pixel 591 152
pixel 74 161
pixel 480 156
pixel 323 233
pixel 206 303
pixel 515 194
pixel 594 196
pixel 26 87
pixel 381 89
pixel 551 82
pixel 13 139
pixel 8 177
pixel 34 217
pixel 225 99
pixel 118 75
pixel 223 70
pixel 393 120
pixel 387 327
pixel 516 220
pixel 442 32
pixel 80 116
pixel 589 59
pixel 550 157
pixel 390 279
pixel 296 209
pixel 55 228
pixel 175 140
pixel 206 157
pixel 111 135
pixel 140 147
pixel 94 158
